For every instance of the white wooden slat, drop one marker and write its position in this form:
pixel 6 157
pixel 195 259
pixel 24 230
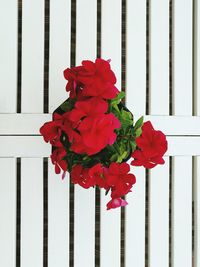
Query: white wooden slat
pixel 32 56
pixel 110 49
pixel 159 57
pixel 59 51
pixel 34 146
pixel 84 227
pixel 197 213
pixel 182 57
pixel 8 212
pixel 29 124
pixel 109 234
pixel 136 56
pixel 111 35
pixel 135 221
pixel 24 146
pixel 84 220
pixel 182 212
pixel 31 212
pixel 58 219
pixel 159 216
pixel 8 56
pixel 197 58
pixel 86 30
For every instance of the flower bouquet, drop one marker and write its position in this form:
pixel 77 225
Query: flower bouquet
pixel 93 134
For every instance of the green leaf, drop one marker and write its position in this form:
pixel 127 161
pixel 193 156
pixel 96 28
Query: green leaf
pixel 122 156
pixel 117 99
pixel 138 132
pixel 139 123
pixel 132 145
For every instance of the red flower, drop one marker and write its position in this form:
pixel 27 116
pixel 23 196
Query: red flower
pixel 90 107
pixel 91 79
pixel 97 132
pixel 73 84
pixel 57 159
pixel 98 79
pixel 97 172
pixel 116 203
pixel 152 146
pixel 51 132
pixel 119 179
pixel 81 176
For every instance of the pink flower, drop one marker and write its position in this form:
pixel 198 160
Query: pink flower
pixel 116 203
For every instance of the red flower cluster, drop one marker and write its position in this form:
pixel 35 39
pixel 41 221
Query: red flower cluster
pixel 115 178
pixel 94 136
pixel 152 146
pixel 96 78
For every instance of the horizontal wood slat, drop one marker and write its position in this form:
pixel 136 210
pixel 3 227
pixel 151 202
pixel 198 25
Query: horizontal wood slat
pixel 34 146
pixel 29 124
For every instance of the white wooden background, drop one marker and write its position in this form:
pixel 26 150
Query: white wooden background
pixel 173 189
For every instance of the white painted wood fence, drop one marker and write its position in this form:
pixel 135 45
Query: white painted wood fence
pixel 161 49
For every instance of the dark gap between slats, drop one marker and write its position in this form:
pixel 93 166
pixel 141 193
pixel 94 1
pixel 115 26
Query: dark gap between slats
pixel 19 55
pixel 45 212
pixel 98 28
pixel 147 53
pixel 97 226
pixel 46 58
pixel 123 46
pixel 170 211
pixel 123 88
pixel 194 59
pixel 147 218
pixel 97 190
pixel 194 222
pixel 170 58
pixel 18 214
pixel 71 193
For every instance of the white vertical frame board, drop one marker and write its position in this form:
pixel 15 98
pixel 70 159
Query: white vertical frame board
pixel 110 49
pixel 84 200
pixel 182 57
pixel 58 218
pixel 59 50
pixel 135 100
pixel 31 212
pixel 196 190
pixel 111 35
pixel 135 221
pixel 8 56
pixel 8 212
pixel 32 80
pixel 182 211
pixel 158 230
pixel 159 57
pixel 136 56
pixel 159 216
